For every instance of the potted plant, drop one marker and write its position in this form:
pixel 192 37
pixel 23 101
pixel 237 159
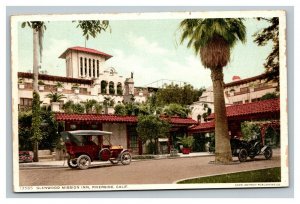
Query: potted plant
pixel 21 83
pixel 55 99
pixel 187 143
pixel 41 85
pixel 59 86
pixel 75 87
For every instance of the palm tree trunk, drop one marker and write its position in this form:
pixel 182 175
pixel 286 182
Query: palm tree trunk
pixel 35 60
pixel 35 90
pixel 222 139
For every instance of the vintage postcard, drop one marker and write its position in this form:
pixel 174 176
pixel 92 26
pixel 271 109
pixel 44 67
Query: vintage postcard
pixel 141 101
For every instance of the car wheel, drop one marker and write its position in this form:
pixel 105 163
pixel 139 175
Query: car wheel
pixel 72 163
pixel 268 153
pixel 125 158
pixel 243 155
pixel 84 161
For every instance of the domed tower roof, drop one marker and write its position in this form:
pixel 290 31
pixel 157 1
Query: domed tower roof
pixel 236 78
pixel 86 50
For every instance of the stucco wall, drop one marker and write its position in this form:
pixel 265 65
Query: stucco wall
pixel 119 136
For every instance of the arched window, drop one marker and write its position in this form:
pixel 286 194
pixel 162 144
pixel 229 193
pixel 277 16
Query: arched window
pixel 119 89
pixel 81 67
pixel 103 87
pixel 111 87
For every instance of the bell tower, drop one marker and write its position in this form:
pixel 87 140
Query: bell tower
pixel 129 89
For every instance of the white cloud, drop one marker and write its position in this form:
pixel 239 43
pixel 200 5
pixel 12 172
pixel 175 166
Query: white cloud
pixel 52 50
pixel 188 69
pixel 144 72
pixel 141 43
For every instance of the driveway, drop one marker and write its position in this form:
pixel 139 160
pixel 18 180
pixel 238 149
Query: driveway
pixel 163 171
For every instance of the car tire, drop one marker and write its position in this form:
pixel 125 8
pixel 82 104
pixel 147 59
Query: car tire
pixel 72 163
pixel 125 158
pixel 84 161
pixel 268 153
pixel 243 155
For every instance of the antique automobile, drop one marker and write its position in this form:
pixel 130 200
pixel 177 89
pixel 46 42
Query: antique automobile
pixel 244 149
pixel 86 146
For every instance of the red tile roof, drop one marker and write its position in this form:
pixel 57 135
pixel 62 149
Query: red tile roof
pixel 116 118
pixel 87 50
pixel 271 106
pixel 56 78
pixel 244 81
pixel 255 110
pixel 176 120
pixel 95 117
pixel 202 127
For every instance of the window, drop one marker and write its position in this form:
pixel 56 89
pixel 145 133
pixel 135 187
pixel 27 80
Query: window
pixel 111 88
pixel 81 67
pixel 26 101
pixel 85 66
pixel 97 68
pixel 94 75
pixel 25 104
pixel 103 87
pixel 244 90
pixel 49 88
pixel 237 102
pixel 119 89
pixel 83 90
pixel 90 68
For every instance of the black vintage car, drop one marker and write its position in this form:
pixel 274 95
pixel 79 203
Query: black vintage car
pixel 244 149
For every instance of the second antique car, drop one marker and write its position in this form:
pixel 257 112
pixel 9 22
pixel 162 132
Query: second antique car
pixel 86 146
pixel 244 149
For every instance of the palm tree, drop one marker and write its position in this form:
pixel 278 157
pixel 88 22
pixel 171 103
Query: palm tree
pixel 55 97
pixel 89 28
pixel 38 28
pixel 98 108
pixel 213 39
pixel 89 105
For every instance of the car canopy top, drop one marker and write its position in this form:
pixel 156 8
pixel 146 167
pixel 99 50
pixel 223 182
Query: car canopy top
pixel 77 136
pixel 88 132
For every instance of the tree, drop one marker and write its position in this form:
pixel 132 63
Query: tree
pixel 55 97
pixel 89 105
pixel 38 28
pixel 120 109
pixel 175 109
pixel 36 123
pixel 88 27
pixel 213 40
pixel 262 37
pixel 71 107
pixel 173 93
pixel 48 130
pixel 208 111
pixel 269 96
pixel 98 107
pixel 150 128
pixel 92 28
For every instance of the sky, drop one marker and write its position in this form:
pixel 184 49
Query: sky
pixel 148 48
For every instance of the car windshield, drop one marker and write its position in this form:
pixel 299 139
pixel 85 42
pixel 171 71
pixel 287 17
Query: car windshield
pixel 84 139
